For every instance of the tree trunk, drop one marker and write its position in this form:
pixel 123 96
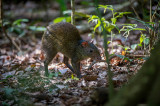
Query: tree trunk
pixel 144 85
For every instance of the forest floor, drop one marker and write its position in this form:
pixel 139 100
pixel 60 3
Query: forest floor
pixel 23 80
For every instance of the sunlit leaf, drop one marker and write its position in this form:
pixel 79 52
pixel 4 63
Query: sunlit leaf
pixel 97 25
pixel 140 45
pixel 113 20
pixel 17 22
pixel 110 7
pixel 82 14
pixel 126 48
pixel 141 39
pixel 120 14
pixel 108 42
pixel 72 76
pixel 37 28
pixel 139 29
pixel 134 46
pixel 67 12
pixel 62 19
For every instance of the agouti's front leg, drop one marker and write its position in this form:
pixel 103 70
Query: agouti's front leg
pixel 76 67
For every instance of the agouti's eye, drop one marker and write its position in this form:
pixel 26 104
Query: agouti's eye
pixel 91 51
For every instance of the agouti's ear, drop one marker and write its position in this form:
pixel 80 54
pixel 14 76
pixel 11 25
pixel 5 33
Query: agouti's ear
pixel 84 44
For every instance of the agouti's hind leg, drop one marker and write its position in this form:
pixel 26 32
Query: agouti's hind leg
pixel 65 60
pixel 49 56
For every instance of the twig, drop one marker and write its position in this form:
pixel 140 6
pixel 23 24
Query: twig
pixel 73 13
pixel 135 10
pixel 137 56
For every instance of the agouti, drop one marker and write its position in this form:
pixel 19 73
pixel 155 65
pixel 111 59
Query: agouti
pixel 64 37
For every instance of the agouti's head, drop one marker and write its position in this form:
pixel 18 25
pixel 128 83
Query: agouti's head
pixel 89 50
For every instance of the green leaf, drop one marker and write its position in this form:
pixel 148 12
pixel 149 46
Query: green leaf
pixel 150 22
pixel 37 28
pixel 17 22
pixel 145 58
pixel 67 12
pixel 140 45
pixel 6 23
pixel 113 20
pixel 139 29
pixel 126 48
pixel 82 14
pixel 99 23
pixel 5 104
pixel 17 30
pixel 108 42
pixel 146 41
pixel 110 7
pixel 22 33
pixel 121 14
pixel 117 28
pixel 62 19
pixel 87 3
pixel 9 76
pixel 134 46
pixel 141 39
pixel 72 76
pixel 110 27
pixel 8 91
pixel 120 56
pixel 59 19
pixel 144 23
pixel 93 18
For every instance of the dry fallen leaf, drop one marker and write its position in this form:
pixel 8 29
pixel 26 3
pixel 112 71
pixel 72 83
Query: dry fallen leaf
pixel 42 56
pixel 115 61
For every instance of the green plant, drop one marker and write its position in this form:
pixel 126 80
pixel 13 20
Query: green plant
pixel 20 27
pixel 110 25
pixel 17 27
pixel 62 19
pixel 152 26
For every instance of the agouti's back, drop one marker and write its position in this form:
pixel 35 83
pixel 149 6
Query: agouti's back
pixel 64 31
pixel 63 37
